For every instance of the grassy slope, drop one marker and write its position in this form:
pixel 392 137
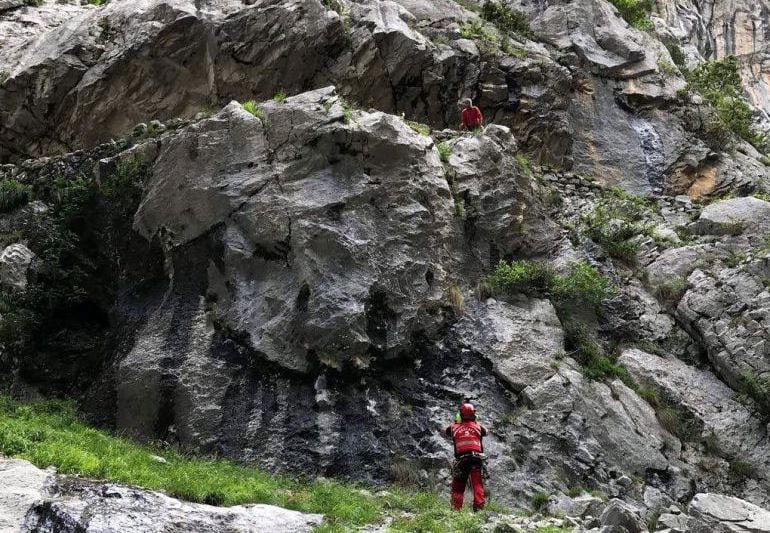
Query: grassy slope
pixel 50 433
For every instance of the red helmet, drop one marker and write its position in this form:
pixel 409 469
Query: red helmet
pixel 467 411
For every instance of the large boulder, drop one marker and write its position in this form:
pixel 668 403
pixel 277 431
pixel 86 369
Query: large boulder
pixel 734 216
pixel 717 513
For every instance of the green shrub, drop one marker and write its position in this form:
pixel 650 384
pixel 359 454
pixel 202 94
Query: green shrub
pixel 635 12
pixel 507 20
pixel 671 291
pixel 97 2
pixel 334 5
pixel 583 284
pixel 252 107
pixel 719 83
pixel 444 151
pixel 13 194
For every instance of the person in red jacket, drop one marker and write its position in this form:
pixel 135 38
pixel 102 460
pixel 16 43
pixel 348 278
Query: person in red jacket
pixel 467 436
pixel 470 116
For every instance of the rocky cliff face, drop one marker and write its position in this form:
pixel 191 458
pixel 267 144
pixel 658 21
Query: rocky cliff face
pixel 302 282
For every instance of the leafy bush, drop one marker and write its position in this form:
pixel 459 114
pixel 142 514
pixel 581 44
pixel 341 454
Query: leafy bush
pixel 635 12
pixel 533 278
pixel 252 107
pixel 506 19
pixel 540 501
pixel 334 5
pixel 741 469
pixel 719 83
pixel 13 195
pixel 670 417
pixel 583 283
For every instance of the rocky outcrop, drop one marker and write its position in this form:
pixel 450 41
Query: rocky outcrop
pixel 714 413
pixel 39 500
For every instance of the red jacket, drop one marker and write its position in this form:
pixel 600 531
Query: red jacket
pixel 471 117
pixel 467 437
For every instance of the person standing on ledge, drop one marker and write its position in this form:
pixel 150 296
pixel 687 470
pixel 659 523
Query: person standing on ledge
pixel 467 435
pixel 470 116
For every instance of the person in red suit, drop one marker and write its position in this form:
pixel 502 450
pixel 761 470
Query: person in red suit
pixel 467 436
pixel 470 116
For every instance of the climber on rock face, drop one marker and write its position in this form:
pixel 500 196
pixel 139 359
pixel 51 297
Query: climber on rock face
pixel 470 116
pixel 467 434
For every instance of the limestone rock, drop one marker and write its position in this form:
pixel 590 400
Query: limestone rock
pixel 15 261
pixel 521 339
pixel 22 484
pixel 737 215
pixel 86 506
pixel 716 513
pixel 619 514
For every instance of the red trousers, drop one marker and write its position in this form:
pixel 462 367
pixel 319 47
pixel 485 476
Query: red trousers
pixel 468 468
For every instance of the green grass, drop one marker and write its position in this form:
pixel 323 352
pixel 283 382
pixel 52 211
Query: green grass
pixel 13 194
pixel 252 107
pixel 49 433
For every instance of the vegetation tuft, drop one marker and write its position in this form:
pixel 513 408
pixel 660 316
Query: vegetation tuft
pixel 280 96
pixel 758 389
pixel 596 363
pixel 252 107
pixel 444 151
